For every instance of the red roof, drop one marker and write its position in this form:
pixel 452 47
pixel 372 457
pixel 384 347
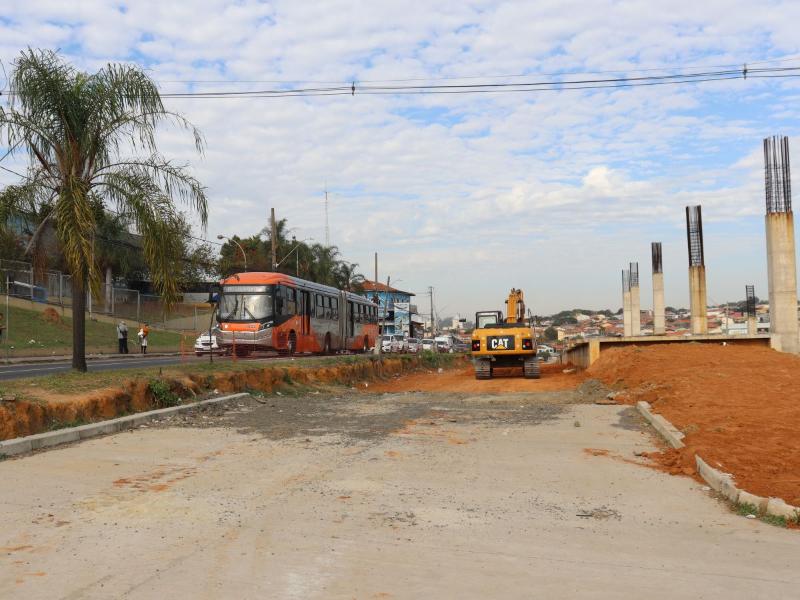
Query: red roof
pixel 372 286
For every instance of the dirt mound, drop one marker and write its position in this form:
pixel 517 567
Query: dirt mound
pixel 738 406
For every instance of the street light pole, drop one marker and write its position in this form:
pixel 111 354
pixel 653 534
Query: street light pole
pixel 288 254
pixel 244 256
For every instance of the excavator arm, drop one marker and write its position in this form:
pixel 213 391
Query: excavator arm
pixel 515 307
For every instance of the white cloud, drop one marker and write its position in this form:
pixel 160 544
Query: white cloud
pixel 473 194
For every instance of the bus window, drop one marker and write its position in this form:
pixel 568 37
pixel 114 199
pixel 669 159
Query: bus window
pixel 291 301
pixel 335 308
pixel 320 307
pixel 328 308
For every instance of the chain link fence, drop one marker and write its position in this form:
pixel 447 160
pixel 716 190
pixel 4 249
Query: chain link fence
pixel 19 280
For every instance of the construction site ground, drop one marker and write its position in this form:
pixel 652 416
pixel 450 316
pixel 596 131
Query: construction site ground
pixel 739 407
pixel 480 491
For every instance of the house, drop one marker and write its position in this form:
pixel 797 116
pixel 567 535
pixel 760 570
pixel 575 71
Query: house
pixel 396 314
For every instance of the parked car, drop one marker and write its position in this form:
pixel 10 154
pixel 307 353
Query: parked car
pixel 461 346
pixel 393 343
pixel 206 344
pixel 428 345
pixel 445 343
pixel 413 345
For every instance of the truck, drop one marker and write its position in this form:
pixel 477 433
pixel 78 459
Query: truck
pixel 505 342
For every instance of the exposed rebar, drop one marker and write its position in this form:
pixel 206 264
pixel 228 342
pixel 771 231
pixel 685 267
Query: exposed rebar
pixel 626 281
pixel 750 293
pixel 694 236
pixel 655 251
pixel 633 276
pixel 777 174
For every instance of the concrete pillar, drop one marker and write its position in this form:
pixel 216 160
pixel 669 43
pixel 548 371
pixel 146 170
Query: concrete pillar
pixel 626 313
pixel 636 312
pixel 782 273
pixel 698 305
pixel 659 322
pixel 752 325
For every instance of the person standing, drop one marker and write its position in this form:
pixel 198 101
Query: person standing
pixel 122 337
pixel 143 332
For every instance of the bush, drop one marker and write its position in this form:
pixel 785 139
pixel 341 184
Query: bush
pixel 162 394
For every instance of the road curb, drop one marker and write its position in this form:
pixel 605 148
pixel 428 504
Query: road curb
pixel 35 360
pixel 720 482
pixel 73 434
pixel 667 430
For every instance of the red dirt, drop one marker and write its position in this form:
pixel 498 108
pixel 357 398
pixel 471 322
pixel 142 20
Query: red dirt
pixel 463 380
pixel 739 407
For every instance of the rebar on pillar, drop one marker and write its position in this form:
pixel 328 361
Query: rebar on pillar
pixel 752 322
pixel 781 262
pixel 659 321
pixel 698 304
pixel 636 305
pixel 626 303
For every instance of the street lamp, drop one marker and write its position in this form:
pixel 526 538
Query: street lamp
pixel 288 254
pixel 244 256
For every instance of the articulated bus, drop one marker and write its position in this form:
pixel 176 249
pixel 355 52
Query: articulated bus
pixel 273 311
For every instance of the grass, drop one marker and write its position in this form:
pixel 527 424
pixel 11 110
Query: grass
pixel 750 509
pixel 32 335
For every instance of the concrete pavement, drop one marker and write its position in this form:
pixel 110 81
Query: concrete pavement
pixel 390 496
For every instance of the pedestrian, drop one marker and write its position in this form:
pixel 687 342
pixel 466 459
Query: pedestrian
pixel 143 332
pixel 122 337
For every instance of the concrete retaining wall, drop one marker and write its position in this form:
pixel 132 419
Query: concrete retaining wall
pixel 584 354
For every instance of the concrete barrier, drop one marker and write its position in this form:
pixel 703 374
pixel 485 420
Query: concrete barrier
pixel 73 434
pixel 665 428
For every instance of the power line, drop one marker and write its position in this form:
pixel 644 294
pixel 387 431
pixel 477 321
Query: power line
pixel 515 86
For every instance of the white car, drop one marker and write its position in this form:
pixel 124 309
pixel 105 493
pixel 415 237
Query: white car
pixel 206 344
pixel 413 345
pixel 391 343
pixel 428 345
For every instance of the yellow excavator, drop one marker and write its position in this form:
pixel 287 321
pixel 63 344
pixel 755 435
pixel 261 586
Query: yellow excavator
pixel 509 342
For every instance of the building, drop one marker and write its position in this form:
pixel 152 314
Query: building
pixel 395 309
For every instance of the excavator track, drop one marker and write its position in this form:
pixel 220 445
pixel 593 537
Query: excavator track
pixel 531 368
pixel 483 369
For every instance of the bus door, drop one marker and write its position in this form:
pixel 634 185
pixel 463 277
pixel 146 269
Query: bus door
pixel 351 324
pixel 307 307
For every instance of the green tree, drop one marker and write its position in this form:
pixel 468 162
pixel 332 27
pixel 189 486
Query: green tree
pixel 90 139
pixel 551 334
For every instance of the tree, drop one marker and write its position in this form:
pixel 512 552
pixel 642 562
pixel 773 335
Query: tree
pixel 551 334
pixel 78 130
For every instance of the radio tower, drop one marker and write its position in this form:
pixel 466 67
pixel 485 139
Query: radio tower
pixel 327 224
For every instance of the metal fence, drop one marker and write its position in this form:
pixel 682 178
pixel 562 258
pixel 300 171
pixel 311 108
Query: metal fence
pixel 19 280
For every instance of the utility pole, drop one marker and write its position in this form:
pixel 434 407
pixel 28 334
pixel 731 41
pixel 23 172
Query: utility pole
pixel 274 240
pixel 433 320
pixel 376 268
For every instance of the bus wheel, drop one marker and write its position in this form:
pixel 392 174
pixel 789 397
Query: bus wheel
pixel 327 348
pixel 291 346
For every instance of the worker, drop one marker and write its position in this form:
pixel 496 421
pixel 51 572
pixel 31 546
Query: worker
pixel 122 337
pixel 143 333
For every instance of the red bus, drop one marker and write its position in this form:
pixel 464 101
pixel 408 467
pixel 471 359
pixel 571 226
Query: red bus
pixel 273 311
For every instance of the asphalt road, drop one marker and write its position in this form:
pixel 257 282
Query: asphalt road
pixel 391 496
pixel 36 369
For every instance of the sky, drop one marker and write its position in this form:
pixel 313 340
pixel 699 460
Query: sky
pixel 553 192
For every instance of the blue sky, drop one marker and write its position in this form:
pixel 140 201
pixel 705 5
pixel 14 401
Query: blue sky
pixel 553 192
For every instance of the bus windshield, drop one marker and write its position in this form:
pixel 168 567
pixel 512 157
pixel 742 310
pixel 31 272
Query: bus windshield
pixel 245 307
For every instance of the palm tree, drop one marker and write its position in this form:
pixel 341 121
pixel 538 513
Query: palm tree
pixel 91 143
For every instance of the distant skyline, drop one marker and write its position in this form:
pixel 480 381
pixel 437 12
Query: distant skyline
pixel 554 192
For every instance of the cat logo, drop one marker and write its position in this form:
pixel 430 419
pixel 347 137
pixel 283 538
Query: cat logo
pixel 499 343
